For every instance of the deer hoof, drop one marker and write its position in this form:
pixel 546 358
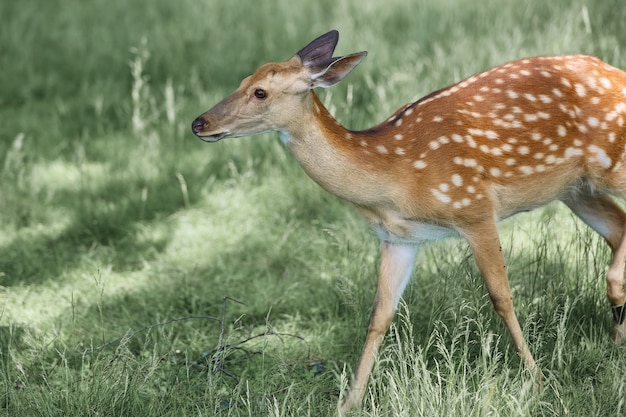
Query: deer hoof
pixel 619 333
pixel 619 324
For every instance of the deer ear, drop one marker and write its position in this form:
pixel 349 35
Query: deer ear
pixel 336 70
pixel 320 50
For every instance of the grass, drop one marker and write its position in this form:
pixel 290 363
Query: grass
pixel 115 219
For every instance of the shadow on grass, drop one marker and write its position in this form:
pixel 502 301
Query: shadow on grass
pixel 254 272
pixel 108 221
pixel 104 223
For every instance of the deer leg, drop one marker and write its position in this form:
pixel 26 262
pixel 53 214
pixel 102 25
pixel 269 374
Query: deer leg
pixel 395 269
pixel 615 292
pixel 601 213
pixel 485 244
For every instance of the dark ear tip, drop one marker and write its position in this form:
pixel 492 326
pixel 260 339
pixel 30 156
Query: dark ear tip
pixel 320 49
pixel 331 37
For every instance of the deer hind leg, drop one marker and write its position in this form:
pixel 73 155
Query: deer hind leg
pixel 395 269
pixel 485 244
pixel 601 213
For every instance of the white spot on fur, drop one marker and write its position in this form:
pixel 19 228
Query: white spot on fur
pixel 419 164
pixel 545 99
pixel 571 152
pixel 606 83
pixel 601 156
pixel 610 116
pixel 512 94
pixel 526 170
pixel 490 134
pixel 441 196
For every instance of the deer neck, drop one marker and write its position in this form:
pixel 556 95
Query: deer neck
pixel 327 152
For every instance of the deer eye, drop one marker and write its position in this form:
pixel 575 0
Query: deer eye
pixel 260 93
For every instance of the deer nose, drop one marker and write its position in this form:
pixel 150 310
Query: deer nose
pixel 197 125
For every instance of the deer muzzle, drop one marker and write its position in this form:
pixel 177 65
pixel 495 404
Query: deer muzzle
pixel 202 129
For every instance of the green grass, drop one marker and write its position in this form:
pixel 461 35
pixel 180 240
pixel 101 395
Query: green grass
pixel 115 218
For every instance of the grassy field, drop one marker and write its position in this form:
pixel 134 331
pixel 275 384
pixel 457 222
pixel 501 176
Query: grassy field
pixel 145 273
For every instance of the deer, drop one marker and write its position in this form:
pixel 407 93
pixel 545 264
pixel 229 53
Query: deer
pixel 454 163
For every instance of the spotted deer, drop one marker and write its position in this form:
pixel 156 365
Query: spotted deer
pixel 455 162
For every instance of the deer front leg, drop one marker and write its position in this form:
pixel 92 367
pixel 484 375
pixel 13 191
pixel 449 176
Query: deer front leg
pixel 485 244
pixel 395 269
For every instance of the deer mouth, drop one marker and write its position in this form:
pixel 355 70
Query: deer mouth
pixel 213 137
pixel 201 129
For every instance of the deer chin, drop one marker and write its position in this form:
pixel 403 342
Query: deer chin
pixel 214 137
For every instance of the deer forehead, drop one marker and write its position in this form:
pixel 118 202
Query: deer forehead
pixel 287 76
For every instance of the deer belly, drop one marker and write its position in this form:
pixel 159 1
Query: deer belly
pixel 413 232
